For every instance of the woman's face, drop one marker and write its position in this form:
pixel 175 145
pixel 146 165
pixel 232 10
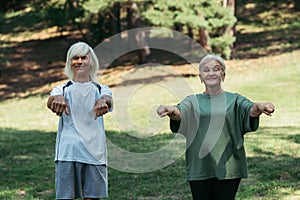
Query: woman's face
pixel 212 74
pixel 80 65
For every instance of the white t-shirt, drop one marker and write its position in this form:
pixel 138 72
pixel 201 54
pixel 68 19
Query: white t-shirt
pixel 81 138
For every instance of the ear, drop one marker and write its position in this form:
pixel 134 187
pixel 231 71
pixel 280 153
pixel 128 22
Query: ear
pixel 200 78
pixel 223 76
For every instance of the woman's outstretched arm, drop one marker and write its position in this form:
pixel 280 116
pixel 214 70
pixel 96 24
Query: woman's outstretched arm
pixel 171 111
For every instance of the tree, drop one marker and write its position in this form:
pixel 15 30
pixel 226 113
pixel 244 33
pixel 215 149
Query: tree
pixel 208 17
pixel 230 4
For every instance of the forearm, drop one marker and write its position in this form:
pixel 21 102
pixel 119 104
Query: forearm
pixel 175 114
pixel 258 108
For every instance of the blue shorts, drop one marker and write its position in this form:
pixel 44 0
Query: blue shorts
pixel 79 180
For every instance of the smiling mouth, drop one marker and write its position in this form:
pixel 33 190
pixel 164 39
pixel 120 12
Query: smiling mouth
pixel 78 66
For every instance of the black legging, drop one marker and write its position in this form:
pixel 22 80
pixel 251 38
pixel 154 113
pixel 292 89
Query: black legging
pixel 214 189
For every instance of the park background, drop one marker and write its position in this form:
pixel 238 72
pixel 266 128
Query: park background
pixel 261 43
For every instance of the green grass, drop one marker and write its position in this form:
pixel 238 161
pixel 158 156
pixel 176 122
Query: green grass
pixel 27 167
pixel 27 137
pixel 26 164
pixel 28 128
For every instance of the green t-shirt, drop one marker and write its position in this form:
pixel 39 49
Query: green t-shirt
pixel 214 127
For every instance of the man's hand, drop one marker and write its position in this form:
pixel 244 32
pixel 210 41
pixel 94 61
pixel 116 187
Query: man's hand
pixel 58 105
pixel 100 108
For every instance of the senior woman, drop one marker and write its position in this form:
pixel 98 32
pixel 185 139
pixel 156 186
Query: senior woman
pixel 214 124
pixel 80 152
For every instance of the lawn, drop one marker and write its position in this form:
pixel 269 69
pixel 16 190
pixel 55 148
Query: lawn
pixel 266 68
pixel 27 137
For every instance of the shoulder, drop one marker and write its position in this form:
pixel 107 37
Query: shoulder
pixel 100 84
pixel 103 88
pixel 239 99
pixel 189 101
pixel 191 97
pixel 58 89
pixel 66 83
pixel 232 95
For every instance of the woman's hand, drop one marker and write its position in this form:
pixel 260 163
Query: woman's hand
pixel 259 108
pixel 267 108
pixel 170 111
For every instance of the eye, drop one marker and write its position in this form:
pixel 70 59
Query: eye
pixel 206 70
pixel 81 57
pixel 217 68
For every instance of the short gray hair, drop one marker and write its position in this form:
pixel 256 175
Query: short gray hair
pixel 82 49
pixel 211 57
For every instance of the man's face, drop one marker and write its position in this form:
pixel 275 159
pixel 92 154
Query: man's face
pixel 80 65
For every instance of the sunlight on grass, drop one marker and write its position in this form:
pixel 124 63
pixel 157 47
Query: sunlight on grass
pixel 277 82
pixel 27 136
pixel 135 104
pixel 27 114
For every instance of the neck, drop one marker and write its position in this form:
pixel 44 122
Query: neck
pixel 213 91
pixel 81 79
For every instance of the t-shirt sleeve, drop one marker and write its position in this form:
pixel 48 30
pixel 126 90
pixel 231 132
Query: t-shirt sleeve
pixel 248 123
pixel 105 90
pixel 189 123
pixel 57 90
pixel 174 125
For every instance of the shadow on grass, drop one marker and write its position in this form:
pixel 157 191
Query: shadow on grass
pixel 26 164
pixel 277 16
pixel 27 167
pixel 271 177
pixel 274 164
pixel 33 65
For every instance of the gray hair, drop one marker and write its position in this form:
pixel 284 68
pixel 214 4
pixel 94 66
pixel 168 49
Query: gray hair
pixel 82 49
pixel 211 57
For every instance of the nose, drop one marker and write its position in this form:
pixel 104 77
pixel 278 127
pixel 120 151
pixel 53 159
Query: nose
pixel 211 72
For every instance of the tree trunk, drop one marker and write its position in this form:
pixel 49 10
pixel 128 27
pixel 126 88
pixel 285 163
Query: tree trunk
pixel 139 35
pixel 115 16
pixel 116 25
pixel 71 8
pixel 203 38
pixel 231 5
pixel 231 30
pixel 129 20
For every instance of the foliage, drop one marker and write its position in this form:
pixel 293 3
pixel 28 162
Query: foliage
pixel 208 15
pixel 98 16
pixel 222 44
